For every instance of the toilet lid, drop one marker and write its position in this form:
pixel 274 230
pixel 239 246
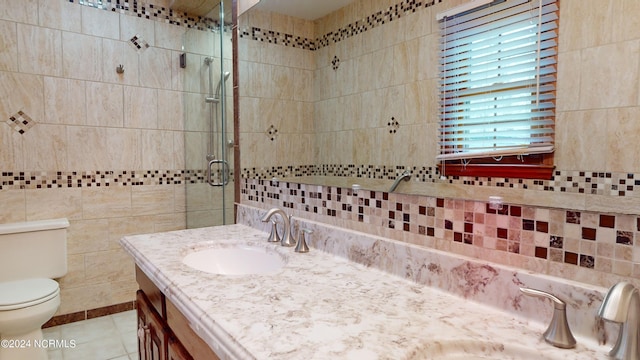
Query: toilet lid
pixel 22 293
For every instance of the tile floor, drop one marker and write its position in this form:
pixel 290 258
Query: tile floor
pixel 110 337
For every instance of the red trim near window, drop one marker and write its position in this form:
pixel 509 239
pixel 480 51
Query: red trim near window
pixel 540 172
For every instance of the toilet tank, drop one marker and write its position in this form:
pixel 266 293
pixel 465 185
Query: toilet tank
pixel 33 249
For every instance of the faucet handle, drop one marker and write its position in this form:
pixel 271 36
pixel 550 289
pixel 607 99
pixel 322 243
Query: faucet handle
pixel 302 247
pixel 558 333
pixel 273 236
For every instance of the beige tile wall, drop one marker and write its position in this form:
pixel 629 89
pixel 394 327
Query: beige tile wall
pixel 276 92
pixel 57 65
pixel 389 72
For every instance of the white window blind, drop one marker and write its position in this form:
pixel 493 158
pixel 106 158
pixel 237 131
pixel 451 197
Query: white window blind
pixel 497 87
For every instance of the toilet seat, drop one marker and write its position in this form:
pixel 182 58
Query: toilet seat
pixel 24 293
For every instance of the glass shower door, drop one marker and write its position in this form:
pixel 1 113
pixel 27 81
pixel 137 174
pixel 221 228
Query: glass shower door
pixel 208 120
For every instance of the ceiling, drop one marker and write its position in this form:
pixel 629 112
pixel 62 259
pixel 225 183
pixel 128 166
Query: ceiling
pixel 305 9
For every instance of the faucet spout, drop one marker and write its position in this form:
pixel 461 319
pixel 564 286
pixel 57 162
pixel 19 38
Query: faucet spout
pixel 406 175
pixel 287 238
pixel 621 304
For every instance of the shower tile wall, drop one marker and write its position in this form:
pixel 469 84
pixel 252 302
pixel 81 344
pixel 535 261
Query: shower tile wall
pixel 105 150
pixel 375 114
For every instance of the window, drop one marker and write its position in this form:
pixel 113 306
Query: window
pixel 497 89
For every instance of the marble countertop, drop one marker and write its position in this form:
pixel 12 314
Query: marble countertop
pixel 321 306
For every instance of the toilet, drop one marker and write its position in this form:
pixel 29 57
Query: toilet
pixel 32 254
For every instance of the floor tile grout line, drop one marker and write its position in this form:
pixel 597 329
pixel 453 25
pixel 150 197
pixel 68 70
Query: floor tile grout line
pixel 115 321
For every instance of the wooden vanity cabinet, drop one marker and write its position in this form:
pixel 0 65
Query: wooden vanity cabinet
pixel 175 351
pixel 163 332
pixel 152 335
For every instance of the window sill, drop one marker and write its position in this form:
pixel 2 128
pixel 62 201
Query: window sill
pixel 539 172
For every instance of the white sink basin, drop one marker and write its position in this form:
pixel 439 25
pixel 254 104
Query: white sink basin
pixel 237 259
pixel 474 350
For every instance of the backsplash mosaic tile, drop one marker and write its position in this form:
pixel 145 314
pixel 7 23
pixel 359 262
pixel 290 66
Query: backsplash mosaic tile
pixel 350 170
pixel 540 233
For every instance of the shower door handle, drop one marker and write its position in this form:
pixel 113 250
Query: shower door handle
pixel 225 173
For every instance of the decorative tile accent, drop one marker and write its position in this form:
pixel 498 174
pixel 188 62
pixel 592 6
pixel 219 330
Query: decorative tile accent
pixel 138 43
pixel 20 122
pixel 587 261
pixel 335 63
pixel 272 133
pixel 573 217
pixel 393 125
pixel 556 242
pixel 624 237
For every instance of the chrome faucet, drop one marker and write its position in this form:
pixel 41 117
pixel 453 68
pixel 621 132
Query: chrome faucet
pixel 287 238
pixel 558 333
pixel 621 304
pixel 406 175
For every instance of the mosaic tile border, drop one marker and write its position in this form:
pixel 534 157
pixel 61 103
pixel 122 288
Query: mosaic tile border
pixel 277 38
pixel 29 180
pixel 361 171
pixel 590 240
pixel 160 13
pixel 580 182
pixel 142 9
pixel 376 19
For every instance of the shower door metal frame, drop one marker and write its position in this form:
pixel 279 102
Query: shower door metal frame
pixel 210 205
pixel 223 128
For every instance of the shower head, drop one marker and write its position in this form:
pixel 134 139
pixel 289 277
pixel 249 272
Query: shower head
pixel 226 76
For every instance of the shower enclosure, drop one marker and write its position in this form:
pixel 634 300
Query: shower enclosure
pixel 208 103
